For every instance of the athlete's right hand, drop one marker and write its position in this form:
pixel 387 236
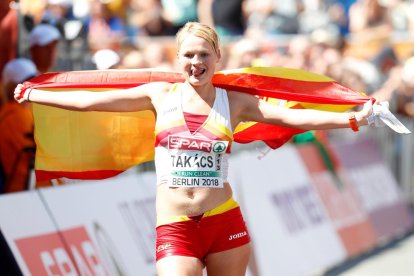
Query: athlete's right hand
pixel 21 93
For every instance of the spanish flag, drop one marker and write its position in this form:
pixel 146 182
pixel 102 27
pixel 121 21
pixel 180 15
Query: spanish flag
pixel 98 145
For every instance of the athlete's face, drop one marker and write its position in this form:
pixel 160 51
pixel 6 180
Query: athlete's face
pixel 197 60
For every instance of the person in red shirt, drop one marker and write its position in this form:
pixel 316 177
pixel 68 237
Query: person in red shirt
pixel 43 42
pixel 8 36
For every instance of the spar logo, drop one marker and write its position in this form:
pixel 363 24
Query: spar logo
pixel 48 254
pixel 219 147
pixel 189 143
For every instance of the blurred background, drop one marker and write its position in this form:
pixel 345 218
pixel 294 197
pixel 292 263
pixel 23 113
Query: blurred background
pixel 366 45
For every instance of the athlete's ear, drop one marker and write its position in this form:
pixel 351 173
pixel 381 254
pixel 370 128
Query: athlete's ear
pixel 218 56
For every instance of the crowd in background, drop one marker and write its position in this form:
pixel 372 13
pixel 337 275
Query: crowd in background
pixel 367 45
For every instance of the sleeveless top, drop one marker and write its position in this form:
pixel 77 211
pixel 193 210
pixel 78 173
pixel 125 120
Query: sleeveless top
pixel 192 159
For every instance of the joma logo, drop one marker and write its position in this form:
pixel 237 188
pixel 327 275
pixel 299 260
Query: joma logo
pixel 163 247
pixel 238 235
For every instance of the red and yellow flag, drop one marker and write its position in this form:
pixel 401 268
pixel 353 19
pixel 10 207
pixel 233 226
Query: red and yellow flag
pixel 97 145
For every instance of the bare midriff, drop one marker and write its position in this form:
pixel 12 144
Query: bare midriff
pixel 190 201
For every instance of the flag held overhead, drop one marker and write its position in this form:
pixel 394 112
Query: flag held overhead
pixel 96 145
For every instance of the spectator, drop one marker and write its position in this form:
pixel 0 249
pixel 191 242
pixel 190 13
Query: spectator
pixel 298 52
pixel 390 85
pixel 178 12
pixel 16 121
pixel 43 42
pixel 244 53
pixel 118 8
pixel 404 95
pixel 16 71
pixel 33 11
pixel 72 46
pixel 145 18
pixel 398 89
pixel 57 13
pixel 225 15
pixel 316 15
pixel 369 19
pixel 155 55
pixel 366 71
pixel 105 31
pixel 133 59
pixel 8 35
pixel 273 17
pixel 352 79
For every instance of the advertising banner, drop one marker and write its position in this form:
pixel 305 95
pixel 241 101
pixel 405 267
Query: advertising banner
pixel 376 187
pixel 302 215
pixel 340 198
pixel 113 222
pixel 32 236
pixel 70 252
pixel 291 231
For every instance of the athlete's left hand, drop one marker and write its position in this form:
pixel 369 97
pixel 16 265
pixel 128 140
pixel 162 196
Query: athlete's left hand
pixel 364 113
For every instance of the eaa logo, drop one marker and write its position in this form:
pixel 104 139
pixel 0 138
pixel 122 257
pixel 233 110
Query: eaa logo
pixel 219 147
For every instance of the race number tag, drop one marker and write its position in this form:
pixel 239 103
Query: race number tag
pixel 195 162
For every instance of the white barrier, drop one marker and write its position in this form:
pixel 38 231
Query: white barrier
pixel 91 228
pixel 32 235
pixel 300 221
pixel 119 215
pixel 377 188
pixel 291 232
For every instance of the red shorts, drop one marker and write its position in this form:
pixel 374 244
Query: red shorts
pixel 198 238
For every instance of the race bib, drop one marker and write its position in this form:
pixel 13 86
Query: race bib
pixel 196 162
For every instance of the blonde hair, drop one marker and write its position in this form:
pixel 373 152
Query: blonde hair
pixel 201 30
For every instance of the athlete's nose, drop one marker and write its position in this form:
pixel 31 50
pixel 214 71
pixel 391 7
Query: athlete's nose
pixel 196 59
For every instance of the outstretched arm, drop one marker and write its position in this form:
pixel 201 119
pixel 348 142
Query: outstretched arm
pixel 143 97
pixel 249 108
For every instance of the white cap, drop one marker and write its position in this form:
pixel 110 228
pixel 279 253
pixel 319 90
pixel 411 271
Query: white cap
pixel 18 70
pixel 105 59
pixel 43 34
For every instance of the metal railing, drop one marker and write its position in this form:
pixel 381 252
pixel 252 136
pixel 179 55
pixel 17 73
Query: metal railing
pixel 398 152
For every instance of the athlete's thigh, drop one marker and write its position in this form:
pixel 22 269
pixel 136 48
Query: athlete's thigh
pixel 232 262
pixel 179 266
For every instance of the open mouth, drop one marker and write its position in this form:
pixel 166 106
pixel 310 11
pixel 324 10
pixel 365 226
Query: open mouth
pixel 198 72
